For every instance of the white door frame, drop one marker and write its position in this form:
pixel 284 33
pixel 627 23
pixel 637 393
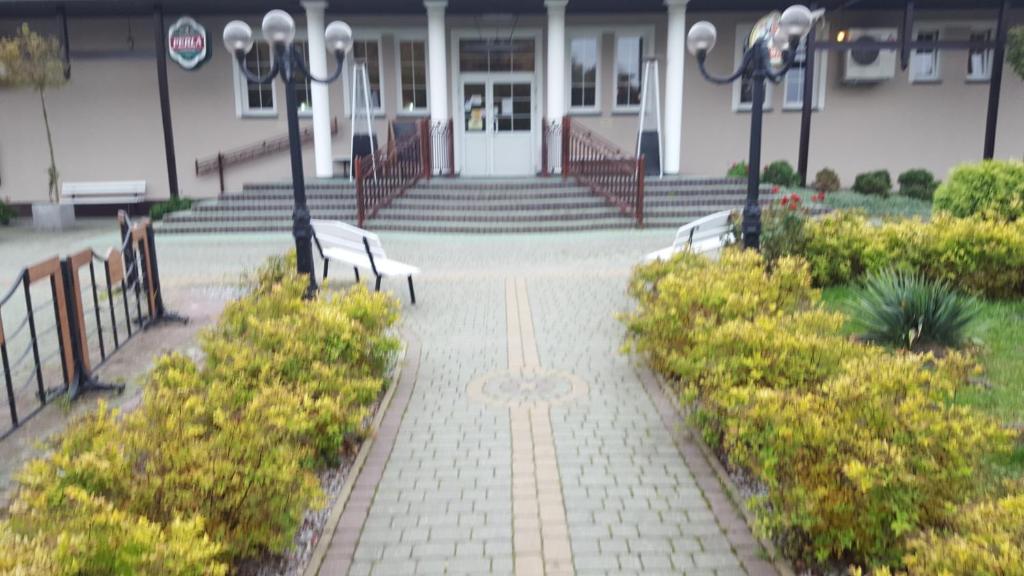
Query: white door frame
pixel 489 79
pixel 455 91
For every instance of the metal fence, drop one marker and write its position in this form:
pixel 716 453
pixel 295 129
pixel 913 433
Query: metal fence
pixel 442 148
pixel 389 172
pixel 63 318
pixel 607 170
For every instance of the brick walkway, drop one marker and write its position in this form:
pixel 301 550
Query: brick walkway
pixel 529 444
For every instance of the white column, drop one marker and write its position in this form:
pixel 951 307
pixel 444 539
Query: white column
pixel 675 62
pixel 437 54
pixel 320 96
pixel 556 60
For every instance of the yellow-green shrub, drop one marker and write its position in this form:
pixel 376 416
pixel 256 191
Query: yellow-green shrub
pixel 678 298
pixel 987 539
pixel 992 189
pixel 857 466
pixel 984 257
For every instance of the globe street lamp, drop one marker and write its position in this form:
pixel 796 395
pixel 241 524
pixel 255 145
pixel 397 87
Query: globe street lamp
pixel 279 30
pixel 770 53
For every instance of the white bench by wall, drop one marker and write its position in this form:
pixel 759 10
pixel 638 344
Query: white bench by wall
pixel 358 248
pixel 702 236
pixel 114 192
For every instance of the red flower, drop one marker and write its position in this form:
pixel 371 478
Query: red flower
pixel 775 190
pixel 785 200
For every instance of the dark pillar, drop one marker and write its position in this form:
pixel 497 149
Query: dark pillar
pixel 302 229
pixel 906 34
pixel 752 209
pixel 996 83
pixel 160 41
pixel 808 106
pixel 65 48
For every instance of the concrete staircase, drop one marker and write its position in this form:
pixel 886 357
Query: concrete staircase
pixel 464 205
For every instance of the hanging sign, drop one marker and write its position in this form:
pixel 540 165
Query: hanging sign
pixel 188 43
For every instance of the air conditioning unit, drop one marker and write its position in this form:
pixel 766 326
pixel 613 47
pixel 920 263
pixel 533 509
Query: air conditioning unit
pixel 869 65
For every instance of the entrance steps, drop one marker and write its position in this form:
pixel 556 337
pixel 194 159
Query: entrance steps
pixel 465 205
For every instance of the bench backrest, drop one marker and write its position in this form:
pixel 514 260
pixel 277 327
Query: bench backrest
pixel 113 188
pixel 714 226
pixel 334 234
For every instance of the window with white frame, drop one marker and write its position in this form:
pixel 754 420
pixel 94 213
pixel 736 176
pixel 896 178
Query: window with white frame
pixel 303 84
pixel 368 51
pixel 793 95
pixel 256 99
pixel 743 91
pixel 583 72
pixel 924 62
pixel 629 55
pixel 979 61
pixel 412 63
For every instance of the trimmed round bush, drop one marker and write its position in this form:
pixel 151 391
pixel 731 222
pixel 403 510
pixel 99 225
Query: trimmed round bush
pixel 738 170
pixel 992 189
pixel 877 183
pixel 1015 50
pixel 826 180
pixel 780 173
pixel 918 183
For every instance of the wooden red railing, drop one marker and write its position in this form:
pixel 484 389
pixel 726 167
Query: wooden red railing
pixel 607 170
pixel 389 172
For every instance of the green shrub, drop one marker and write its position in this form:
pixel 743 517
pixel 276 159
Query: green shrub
pixel 1015 50
pixel 977 256
pixel 780 173
pixel 826 181
pixel 855 468
pixel 877 183
pixel 783 232
pixel 903 310
pixel 992 189
pixel 896 206
pixel 6 214
pixel 160 209
pixel 676 296
pixel 987 538
pixel 218 461
pixel 918 184
pixel 738 170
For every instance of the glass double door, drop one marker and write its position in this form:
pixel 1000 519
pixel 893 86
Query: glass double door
pixel 498 125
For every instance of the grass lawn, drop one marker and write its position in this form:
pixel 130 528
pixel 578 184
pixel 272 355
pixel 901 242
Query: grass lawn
pixel 1000 332
pixel 874 206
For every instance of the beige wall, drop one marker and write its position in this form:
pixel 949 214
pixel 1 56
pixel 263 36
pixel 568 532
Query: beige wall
pixel 107 119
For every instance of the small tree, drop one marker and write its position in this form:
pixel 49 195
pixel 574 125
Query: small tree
pixel 1015 50
pixel 32 60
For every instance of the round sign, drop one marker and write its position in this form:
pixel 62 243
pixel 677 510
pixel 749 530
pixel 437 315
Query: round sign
pixel 187 43
pixel 767 29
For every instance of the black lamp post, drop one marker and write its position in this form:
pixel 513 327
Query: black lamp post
pixel 279 29
pixel 774 32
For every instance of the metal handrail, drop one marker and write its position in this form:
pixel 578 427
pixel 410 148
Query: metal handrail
pixel 225 159
pixel 606 169
pixel 387 173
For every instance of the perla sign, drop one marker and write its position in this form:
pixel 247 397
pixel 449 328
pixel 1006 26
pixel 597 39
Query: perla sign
pixel 187 43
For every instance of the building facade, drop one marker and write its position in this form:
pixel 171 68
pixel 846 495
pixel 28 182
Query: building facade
pixel 500 70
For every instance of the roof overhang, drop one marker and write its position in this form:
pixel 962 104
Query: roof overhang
pixel 27 8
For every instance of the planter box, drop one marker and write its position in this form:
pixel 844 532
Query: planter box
pixel 53 217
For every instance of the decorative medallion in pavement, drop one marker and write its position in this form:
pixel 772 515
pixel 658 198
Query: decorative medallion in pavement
pixel 529 386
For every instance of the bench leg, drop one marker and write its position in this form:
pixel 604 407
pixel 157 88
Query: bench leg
pixel 357 274
pixel 327 263
pixel 376 287
pixel 412 292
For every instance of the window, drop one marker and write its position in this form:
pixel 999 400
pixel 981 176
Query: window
pixel 629 54
pixel 368 51
pixel 924 62
pixel 412 57
pixel 256 99
pixel 743 91
pixel 303 85
pixel 793 96
pixel 979 61
pixel 496 55
pixel 583 69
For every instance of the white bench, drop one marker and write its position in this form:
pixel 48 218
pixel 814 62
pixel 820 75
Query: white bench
pixel 358 248
pixel 707 234
pixel 117 192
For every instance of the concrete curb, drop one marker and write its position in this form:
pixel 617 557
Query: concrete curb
pixel 656 384
pixel 317 558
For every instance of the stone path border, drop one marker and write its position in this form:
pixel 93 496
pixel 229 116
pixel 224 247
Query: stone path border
pixel 719 490
pixel 337 545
